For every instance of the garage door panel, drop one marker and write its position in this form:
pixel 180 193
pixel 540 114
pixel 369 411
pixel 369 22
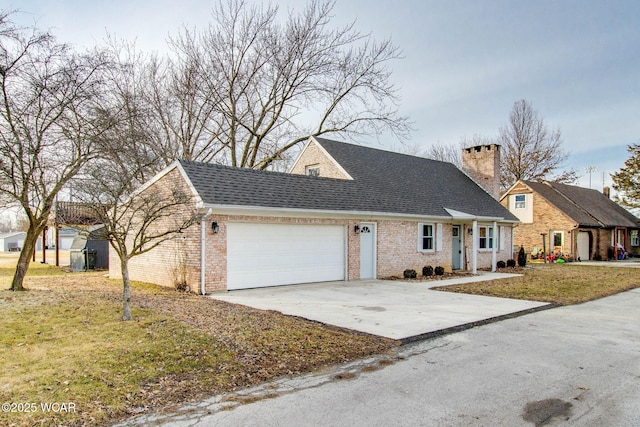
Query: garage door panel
pixel 261 255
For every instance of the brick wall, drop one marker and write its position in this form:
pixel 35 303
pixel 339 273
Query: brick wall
pixel 482 163
pixel 174 260
pixel 546 219
pixel 398 249
pixel 313 155
pixel 178 259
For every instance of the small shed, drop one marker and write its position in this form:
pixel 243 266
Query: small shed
pixel 90 250
pixel 12 241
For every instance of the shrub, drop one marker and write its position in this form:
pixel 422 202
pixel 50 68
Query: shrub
pixel 410 274
pixel 182 287
pixel 501 264
pixel 427 271
pixel 522 257
pixel 511 263
pixel 439 271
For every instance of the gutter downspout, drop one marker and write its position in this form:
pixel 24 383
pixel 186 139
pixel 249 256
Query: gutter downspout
pixel 203 253
pixel 494 249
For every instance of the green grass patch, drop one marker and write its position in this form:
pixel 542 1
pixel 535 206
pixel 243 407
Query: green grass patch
pixel 560 284
pixel 36 269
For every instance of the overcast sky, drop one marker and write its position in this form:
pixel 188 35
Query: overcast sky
pixel 466 62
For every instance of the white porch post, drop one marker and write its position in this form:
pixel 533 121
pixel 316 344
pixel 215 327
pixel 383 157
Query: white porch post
pixel 474 249
pixel 494 249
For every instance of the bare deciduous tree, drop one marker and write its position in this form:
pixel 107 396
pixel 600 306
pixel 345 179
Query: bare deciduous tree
pixel 452 153
pixel 47 122
pixel 244 91
pixel 531 151
pixel 135 220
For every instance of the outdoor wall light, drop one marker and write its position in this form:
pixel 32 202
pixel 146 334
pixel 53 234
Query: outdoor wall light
pixel 214 227
pixel 356 228
pixel 470 230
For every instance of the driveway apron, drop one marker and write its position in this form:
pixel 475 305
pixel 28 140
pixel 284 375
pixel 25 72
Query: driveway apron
pixel 399 310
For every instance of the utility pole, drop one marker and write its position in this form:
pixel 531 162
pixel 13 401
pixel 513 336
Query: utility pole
pixel 590 170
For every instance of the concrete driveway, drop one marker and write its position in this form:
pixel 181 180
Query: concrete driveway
pixel 576 365
pixel 405 311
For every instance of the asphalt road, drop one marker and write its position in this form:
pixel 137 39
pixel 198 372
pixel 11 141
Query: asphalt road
pixel 577 365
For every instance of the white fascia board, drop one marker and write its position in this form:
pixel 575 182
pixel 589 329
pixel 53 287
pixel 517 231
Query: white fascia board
pixel 460 215
pixel 306 145
pixel 154 179
pixel 463 216
pixel 162 174
pixel 196 195
pixel 313 213
pixel 508 192
pixel 338 165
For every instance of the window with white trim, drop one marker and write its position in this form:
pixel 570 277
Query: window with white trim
pixel 520 201
pixel 635 238
pixel 426 237
pixel 485 237
pixel 313 170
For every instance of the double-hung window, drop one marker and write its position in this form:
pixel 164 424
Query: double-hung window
pixel 521 201
pixel 635 238
pixel 485 237
pixel 426 238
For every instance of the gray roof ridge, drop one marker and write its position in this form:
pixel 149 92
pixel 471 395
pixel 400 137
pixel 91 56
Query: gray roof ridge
pixel 382 150
pixel 240 169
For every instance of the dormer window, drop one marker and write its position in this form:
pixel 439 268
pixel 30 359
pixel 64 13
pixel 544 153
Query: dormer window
pixel 313 170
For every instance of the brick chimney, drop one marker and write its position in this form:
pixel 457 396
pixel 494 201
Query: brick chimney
pixel 607 192
pixel 482 163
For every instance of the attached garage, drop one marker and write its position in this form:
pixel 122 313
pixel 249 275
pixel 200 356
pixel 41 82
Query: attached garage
pixel 260 255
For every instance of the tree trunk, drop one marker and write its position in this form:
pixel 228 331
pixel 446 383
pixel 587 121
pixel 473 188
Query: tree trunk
pixel 126 294
pixel 28 249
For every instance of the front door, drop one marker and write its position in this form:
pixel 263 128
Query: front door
pixel 456 248
pixel 368 250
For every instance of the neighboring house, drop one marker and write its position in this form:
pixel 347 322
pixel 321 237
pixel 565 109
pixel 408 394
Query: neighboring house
pixel 12 241
pixel 344 212
pixel 579 222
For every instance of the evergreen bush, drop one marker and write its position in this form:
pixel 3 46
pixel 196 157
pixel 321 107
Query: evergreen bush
pixel 410 274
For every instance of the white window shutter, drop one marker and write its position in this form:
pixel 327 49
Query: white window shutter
pixel 438 237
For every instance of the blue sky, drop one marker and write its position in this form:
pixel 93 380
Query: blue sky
pixel 465 62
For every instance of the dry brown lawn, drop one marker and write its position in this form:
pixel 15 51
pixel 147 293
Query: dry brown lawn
pixel 560 284
pixel 62 342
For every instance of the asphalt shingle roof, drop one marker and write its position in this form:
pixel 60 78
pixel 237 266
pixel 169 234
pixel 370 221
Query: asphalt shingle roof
pixel 589 208
pixel 383 181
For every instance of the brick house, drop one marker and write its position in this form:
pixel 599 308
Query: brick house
pixel 343 212
pixel 579 222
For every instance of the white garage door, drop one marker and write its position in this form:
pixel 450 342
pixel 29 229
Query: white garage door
pixel 261 255
pixel 583 246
